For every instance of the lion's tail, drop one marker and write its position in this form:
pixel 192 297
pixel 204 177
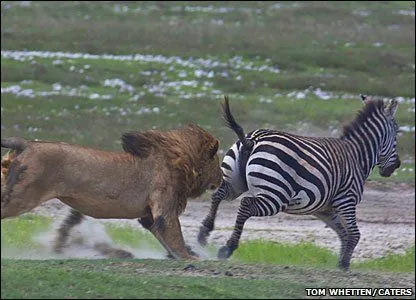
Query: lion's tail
pixel 230 121
pixel 16 143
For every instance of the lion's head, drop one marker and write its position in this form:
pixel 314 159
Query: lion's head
pixel 207 172
pixel 191 152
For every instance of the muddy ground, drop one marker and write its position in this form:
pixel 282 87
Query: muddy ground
pixel 386 219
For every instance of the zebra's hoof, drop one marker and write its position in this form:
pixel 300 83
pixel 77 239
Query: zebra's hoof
pixel 202 236
pixel 224 252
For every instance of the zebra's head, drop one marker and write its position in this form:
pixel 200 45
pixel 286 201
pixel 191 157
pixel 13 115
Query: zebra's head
pixel 388 157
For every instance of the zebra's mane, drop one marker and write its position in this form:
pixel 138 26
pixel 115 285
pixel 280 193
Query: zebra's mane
pixel 371 107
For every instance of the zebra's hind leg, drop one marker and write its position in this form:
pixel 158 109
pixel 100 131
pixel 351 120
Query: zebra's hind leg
pixel 74 218
pixel 332 219
pixel 249 207
pixel 348 219
pixel 225 191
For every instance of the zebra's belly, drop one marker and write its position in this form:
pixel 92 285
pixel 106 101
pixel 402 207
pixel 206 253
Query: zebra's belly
pixel 301 203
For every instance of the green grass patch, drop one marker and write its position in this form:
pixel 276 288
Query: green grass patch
pixel 126 235
pixel 19 232
pixel 391 262
pixel 305 253
pixel 263 251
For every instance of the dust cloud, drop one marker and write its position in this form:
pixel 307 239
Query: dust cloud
pixel 88 240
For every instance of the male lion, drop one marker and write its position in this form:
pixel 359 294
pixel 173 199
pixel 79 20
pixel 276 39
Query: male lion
pixel 150 181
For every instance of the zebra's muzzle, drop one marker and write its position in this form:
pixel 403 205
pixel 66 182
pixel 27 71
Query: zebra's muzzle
pixel 386 172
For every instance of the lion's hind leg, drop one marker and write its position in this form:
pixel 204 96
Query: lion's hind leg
pixel 74 218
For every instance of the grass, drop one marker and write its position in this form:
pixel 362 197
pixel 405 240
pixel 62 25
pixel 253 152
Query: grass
pixel 111 279
pixel 305 38
pixel 19 232
pixel 391 262
pixel 263 251
pixel 125 235
pixel 173 279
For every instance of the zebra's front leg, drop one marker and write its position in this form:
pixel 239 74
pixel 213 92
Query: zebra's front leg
pixel 249 207
pixel 225 191
pixel 348 218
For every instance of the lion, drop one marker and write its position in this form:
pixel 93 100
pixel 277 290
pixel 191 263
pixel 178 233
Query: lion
pixel 151 180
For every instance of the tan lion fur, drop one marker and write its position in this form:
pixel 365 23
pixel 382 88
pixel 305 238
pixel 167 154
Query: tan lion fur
pixel 150 181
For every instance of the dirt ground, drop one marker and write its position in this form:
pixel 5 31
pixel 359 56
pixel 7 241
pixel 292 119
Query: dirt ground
pixel 386 219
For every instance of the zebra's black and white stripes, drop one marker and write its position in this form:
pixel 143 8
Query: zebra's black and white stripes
pixel 321 176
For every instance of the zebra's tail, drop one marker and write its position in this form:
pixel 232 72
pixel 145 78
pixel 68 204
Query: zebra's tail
pixel 230 121
pixel 16 143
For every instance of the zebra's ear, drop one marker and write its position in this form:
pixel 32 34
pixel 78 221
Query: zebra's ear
pixel 391 107
pixel 364 97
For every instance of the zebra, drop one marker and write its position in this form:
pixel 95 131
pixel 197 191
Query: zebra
pixel 321 176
